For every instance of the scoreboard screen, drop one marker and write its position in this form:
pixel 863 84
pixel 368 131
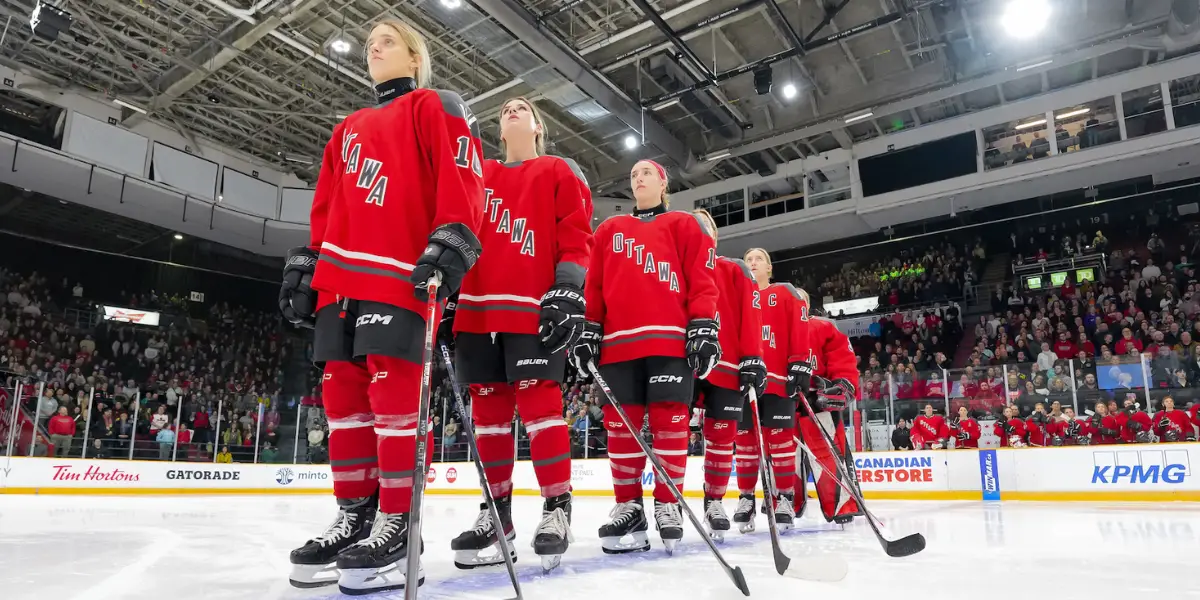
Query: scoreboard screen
pixel 1057 279
pixel 1034 282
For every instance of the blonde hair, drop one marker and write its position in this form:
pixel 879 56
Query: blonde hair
pixel 707 218
pixel 666 200
pixel 771 270
pixel 416 45
pixel 539 142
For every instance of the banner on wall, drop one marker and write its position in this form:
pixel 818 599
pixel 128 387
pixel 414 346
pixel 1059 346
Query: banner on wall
pixel 901 470
pixel 989 475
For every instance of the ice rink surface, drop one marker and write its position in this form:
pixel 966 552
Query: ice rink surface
pixel 217 548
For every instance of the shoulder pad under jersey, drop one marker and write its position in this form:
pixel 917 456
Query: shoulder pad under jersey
pixel 791 289
pixel 454 106
pixel 699 220
pixel 741 265
pixel 575 168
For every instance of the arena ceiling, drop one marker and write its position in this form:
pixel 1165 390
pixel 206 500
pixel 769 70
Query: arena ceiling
pixel 262 76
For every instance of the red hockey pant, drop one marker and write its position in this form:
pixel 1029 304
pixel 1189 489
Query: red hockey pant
pixel 372 412
pixel 669 426
pixel 539 403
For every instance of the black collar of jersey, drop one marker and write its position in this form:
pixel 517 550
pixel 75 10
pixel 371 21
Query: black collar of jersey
pixel 657 209
pixel 394 88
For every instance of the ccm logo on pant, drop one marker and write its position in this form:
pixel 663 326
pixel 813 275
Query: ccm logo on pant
pixel 666 379
pixel 373 319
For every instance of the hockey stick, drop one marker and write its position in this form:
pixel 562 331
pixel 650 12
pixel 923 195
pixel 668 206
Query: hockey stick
pixel 734 573
pixel 468 426
pixel 813 568
pixel 413 558
pixel 905 546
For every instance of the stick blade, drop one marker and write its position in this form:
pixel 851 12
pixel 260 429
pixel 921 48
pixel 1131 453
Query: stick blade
pixel 740 581
pixel 781 560
pixel 905 546
pixel 824 568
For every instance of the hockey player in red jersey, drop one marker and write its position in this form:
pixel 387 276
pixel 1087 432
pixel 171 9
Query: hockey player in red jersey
pixel 932 429
pixel 1011 429
pixel 398 201
pixel 651 329
pixel 1172 424
pixel 964 429
pixel 518 311
pixel 834 385
pixel 1134 425
pixel 786 351
pixel 739 316
pixel 1102 428
pixel 1037 425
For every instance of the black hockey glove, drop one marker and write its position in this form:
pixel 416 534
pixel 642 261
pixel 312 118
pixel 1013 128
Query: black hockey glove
pixel 1009 430
pixel 1142 437
pixel 703 348
pixel 832 395
pixel 445 330
pixel 587 348
pixel 753 374
pixel 1109 432
pixel 1073 429
pixel 1164 423
pixel 451 252
pixel 561 322
pixel 1133 426
pixel 799 378
pixel 963 436
pixel 1083 440
pixel 297 300
pixel 1171 435
pixel 1056 441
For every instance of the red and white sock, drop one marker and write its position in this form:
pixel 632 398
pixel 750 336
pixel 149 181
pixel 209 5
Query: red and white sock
pixel 352 451
pixel 718 456
pixel 493 406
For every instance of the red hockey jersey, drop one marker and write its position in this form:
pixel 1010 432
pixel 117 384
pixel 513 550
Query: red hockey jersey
pixel 932 429
pixel 1039 435
pixel 785 333
pixel 833 356
pixel 649 275
pixel 1175 421
pixel 1128 435
pixel 1015 428
pixel 537 225
pixel 968 426
pixel 740 317
pixel 390 175
pixel 1092 429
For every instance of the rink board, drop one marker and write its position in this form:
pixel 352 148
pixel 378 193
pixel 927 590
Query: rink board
pixel 1096 473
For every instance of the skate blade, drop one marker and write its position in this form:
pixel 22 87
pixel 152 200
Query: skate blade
pixel 717 535
pixel 357 582
pixel 550 562
pixel 314 576
pixel 473 559
pixel 746 527
pixel 615 545
pixel 670 546
pixel 784 526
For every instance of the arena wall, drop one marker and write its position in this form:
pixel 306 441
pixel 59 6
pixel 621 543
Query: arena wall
pixel 1097 473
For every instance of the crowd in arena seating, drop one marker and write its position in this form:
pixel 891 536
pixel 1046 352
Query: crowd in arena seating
pixel 907 277
pixel 147 386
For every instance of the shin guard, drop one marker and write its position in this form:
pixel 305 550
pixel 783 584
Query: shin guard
pixel 625 457
pixel 833 500
pixel 718 456
pixel 669 425
pixel 540 404
pixel 352 451
pixel 781 447
pixel 395 392
pixel 492 408
pixel 746 460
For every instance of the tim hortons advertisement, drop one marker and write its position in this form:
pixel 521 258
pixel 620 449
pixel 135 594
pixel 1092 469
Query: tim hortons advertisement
pixel 39 473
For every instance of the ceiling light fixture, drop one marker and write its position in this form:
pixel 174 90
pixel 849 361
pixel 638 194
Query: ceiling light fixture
pixel 631 142
pixel 1074 113
pixel 849 120
pixel 665 104
pixel 452 4
pixel 133 107
pixel 178 236
pixel 340 46
pixel 1025 18
pixel 1031 124
pixel 717 155
pixel 789 91
pixel 1035 65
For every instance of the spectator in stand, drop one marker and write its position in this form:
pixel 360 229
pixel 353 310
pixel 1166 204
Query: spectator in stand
pixel 269 454
pixel 224 457
pixel 166 442
pixel 1126 343
pixel 62 431
pixel 901 439
pixel 160 420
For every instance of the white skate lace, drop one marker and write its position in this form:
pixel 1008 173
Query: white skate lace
pixel 555 523
pixel 783 506
pixel 384 528
pixel 624 512
pixel 716 512
pixel 483 523
pixel 667 515
pixel 341 528
pixel 745 505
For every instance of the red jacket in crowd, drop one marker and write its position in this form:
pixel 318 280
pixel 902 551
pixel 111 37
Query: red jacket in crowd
pixel 61 425
pixel 1065 349
pixel 1174 422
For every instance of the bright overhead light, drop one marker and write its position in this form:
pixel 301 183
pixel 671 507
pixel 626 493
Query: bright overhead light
pixel 1025 18
pixel 179 236
pixel 452 4
pixel 1031 124
pixel 631 142
pixel 849 120
pixel 665 104
pixel 340 46
pixel 718 155
pixel 1035 65
pixel 789 91
pixel 1074 113
pixel 133 107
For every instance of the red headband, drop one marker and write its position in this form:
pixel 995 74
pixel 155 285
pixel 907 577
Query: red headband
pixel 662 172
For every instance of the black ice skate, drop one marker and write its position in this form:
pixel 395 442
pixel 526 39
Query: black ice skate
pixel 744 515
pixel 377 563
pixel 785 513
pixel 313 564
pixel 716 519
pixel 554 532
pixel 628 520
pixel 669 523
pixel 469 546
